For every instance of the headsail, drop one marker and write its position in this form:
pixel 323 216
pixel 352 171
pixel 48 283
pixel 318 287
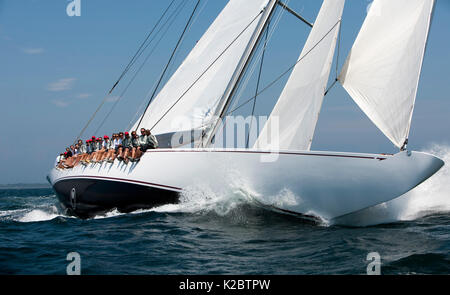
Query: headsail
pixel 382 70
pixel 298 107
pixel 184 100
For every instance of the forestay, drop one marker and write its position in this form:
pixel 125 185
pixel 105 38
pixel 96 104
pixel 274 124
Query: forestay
pixel 296 113
pixel 185 103
pixel 382 70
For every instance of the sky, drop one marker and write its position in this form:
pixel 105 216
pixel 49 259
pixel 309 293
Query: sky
pixel 56 69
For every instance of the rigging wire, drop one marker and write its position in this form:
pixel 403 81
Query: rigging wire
pixel 201 75
pixel 139 51
pixel 172 19
pixel 338 49
pixel 284 73
pixel 237 81
pixel 168 63
pixel 257 84
pixel 141 106
pixel 190 26
pixel 337 62
pixel 120 78
pixel 256 59
pixel 207 69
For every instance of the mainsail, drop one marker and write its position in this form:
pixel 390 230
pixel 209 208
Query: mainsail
pixel 297 110
pixel 382 70
pixel 190 98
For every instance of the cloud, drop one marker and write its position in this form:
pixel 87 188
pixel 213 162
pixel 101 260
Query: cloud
pixel 60 103
pixel 33 51
pixel 61 84
pixel 112 99
pixel 84 95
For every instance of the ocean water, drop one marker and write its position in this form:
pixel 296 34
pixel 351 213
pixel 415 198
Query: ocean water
pixel 227 233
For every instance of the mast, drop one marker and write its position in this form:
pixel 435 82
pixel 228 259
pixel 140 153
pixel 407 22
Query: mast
pixel 191 96
pixel 225 101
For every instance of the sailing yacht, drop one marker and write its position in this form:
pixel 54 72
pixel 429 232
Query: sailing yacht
pixel 381 74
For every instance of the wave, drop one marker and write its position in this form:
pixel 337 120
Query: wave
pixel 26 208
pixel 202 198
pixel 233 199
pixel 43 213
pixel 423 263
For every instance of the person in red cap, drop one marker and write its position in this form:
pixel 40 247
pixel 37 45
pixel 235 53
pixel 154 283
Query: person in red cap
pixel 91 150
pixel 88 152
pixel 99 150
pixel 102 151
pixel 96 146
pixel 106 149
pixel 91 143
pixel 69 159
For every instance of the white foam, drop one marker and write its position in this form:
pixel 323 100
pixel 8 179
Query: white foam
pixel 9 213
pixel 201 198
pixel 37 216
pixel 431 197
pixel 221 197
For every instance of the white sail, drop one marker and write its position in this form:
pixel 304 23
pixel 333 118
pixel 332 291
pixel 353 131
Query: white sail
pixel 297 110
pixel 382 70
pixel 187 104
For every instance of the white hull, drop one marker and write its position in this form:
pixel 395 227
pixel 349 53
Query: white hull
pixel 328 184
